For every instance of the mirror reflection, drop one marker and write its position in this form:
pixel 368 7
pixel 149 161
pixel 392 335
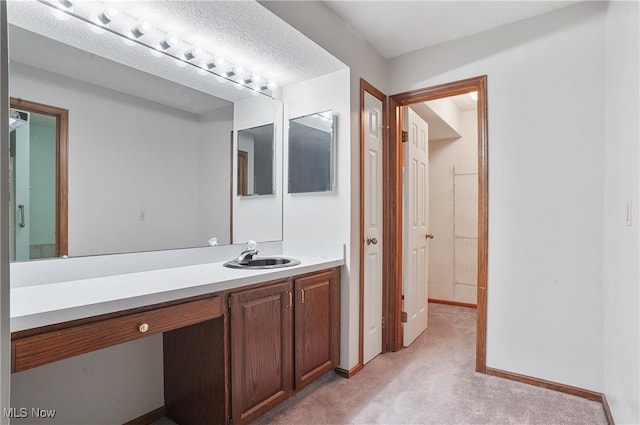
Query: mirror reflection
pixel 255 161
pixel 148 161
pixel 311 153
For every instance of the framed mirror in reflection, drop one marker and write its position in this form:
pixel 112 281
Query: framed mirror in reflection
pixel 256 161
pixel 312 153
pixel 146 161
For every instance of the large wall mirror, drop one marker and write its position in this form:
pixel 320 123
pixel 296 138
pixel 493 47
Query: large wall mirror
pixel 148 148
pixel 312 153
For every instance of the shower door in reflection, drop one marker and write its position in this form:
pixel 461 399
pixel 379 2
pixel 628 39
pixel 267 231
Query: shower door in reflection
pixel 19 205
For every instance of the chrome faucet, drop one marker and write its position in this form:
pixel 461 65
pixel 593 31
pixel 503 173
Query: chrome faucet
pixel 249 252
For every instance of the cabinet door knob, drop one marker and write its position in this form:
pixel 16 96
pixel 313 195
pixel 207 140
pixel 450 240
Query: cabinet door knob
pixel 372 241
pixel 428 236
pixel 143 327
pixel 290 294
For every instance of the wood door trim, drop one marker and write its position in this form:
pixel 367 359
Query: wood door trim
pixel 394 199
pixel 231 194
pixel 62 166
pixel 243 166
pixel 543 383
pixel 454 303
pixel 368 88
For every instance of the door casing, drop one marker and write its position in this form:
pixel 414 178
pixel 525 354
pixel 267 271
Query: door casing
pixel 393 199
pixel 393 204
pixel 62 179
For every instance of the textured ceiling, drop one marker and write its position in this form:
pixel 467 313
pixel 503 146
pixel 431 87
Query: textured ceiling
pixel 394 28
pixel 244 33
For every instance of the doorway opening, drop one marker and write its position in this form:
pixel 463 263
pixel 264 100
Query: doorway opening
pixel 394 198
pixel 39 181
pixel 388 193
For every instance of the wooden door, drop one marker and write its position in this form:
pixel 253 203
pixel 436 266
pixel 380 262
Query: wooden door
pixel 261 349
pixel 416 208
pixel 317 326
pixel 373 226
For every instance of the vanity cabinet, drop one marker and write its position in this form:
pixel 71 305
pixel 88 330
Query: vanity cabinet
pixel 317 326
pixel 284 335
pixel 261 349
pixel 222 361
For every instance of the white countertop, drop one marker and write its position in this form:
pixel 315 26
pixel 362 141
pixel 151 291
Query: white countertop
pixel 49 303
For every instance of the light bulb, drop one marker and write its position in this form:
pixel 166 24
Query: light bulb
pixel 167 42
pixel 141 29
pixel 192 53
pixel 105 17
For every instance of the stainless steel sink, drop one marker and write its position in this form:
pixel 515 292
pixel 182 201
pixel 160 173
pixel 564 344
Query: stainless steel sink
pixel 263 263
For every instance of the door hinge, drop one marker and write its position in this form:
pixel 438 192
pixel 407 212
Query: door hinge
pixel 229 301
pixel 229 421
pixel 405 136
pixel 403 317
pixel 382 322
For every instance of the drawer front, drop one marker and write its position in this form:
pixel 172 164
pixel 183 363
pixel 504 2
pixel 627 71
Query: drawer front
pixel 56 345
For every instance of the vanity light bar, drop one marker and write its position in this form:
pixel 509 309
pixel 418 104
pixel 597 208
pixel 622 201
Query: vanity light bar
pixel 140 32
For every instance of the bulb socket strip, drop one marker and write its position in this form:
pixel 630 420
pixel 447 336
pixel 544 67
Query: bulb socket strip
pixel 136 31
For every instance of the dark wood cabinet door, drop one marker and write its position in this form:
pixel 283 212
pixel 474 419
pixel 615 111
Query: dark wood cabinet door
pixel 261 349
pixel 317 326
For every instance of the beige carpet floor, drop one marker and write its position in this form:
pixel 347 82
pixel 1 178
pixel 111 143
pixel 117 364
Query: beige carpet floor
pixel 432 382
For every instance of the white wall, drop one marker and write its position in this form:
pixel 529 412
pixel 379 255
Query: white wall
pixel 322 25
pixel 214 172
pixel 546 138
pixel 621 242
pixel 109 386
pixel 546 102
pixel 325 216
pixel 127 157
pixel 546 131
pixel 258 218
pixel 444 155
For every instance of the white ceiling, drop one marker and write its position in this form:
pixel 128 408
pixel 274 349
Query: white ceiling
pixel 439 127
pixel 394 28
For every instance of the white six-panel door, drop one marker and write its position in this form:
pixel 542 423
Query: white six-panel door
pixel 372 207
pixel 416 221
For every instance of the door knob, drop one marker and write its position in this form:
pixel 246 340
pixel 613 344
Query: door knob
pixel 371 241
pixel 428 236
